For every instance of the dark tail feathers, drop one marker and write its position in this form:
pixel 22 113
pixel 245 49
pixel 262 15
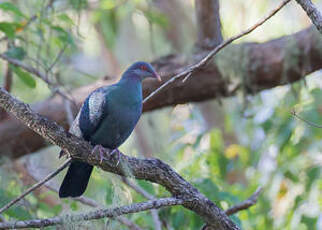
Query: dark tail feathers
pixel 76 179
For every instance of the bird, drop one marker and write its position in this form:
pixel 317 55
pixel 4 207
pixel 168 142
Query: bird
pixel 106 119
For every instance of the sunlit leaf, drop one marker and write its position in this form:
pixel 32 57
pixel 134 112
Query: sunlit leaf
pixel 8 28
pixel 7 6
pixel 24 76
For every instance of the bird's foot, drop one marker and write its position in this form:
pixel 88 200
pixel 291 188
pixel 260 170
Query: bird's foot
pixel 100 150
pixel 118 155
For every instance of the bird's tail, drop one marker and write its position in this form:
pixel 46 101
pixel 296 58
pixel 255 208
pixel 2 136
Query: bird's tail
pixel 76 179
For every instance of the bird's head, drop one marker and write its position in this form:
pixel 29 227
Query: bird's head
pixel 143 70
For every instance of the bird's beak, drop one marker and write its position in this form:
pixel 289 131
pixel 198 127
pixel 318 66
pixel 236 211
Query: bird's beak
pixel 157 76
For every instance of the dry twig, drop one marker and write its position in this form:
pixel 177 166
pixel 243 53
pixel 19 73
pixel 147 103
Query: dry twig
pixel 188 71
pixel 313 13
pixel 35 186
pixel 306 121
pixel 97 214
pixel 245 204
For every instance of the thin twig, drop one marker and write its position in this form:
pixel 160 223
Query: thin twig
pixel 241 206
pixel 212 53
pixel 31 19
pixel 245 204
pixel 28 68
pixel 59 55
pixel 91 203
pixel 140 190
pixel 69 112
pixel 97 214
pixel 313 13
pixel 306 121
pixel 35 186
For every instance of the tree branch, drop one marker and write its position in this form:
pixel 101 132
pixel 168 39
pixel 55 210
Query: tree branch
pixel 91 203
pixel 98 214
pixel 152 169
pixel 245 204
pixel 209 25
pixel 313 13
pixel 35 186
pixel 140 190
pixel 265 65
pixel 212 53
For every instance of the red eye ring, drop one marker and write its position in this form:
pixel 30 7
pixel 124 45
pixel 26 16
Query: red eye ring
pixel 143 67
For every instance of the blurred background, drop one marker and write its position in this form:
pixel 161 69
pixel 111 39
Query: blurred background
pixel 226 147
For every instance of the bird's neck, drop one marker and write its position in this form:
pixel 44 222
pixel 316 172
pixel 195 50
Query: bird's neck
pixel 131 89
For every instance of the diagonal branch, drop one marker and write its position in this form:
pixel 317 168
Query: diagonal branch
pixel 313 13
pixel 92 203
pixel 212 53
pixel 98 214
pixel 35 186
pixel 140 190
pixel 245 204
pixel 151 169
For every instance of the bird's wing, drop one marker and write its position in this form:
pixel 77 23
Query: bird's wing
pixel 92 112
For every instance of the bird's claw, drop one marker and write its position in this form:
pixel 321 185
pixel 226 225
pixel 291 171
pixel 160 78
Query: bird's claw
pixel 116 151
pixel 101 151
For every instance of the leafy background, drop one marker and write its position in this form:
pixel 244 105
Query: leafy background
pixel 255 141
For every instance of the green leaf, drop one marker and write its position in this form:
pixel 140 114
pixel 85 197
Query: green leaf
pixel 7 6
pixel 156 18
pixel 16 53
pixel 24 76
pixel 8 28
pixel 63 35
pixel 65 18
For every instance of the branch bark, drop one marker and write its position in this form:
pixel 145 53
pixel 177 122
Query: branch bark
pixel 245 204
pixel 98 214
pixel 313 13
pixel 208 21
pixel 152 170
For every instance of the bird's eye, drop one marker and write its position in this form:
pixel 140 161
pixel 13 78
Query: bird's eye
pixel 143 67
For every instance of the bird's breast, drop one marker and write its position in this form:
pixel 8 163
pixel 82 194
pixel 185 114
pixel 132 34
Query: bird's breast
pixel 117 125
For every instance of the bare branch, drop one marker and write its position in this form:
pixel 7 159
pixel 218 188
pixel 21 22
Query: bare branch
pixel 140 190
pixel 92 203
pixel 313 13
pixel 98 214
pixel 245 204
pixel 209 25
pixel 212 53
pixel 150 169
pixel 305 120
pixel 35 186
pixel 28 68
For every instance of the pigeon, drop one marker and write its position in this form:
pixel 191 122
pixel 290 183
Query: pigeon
pixel 106 119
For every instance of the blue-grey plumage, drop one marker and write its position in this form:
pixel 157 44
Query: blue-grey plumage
pixel 107 118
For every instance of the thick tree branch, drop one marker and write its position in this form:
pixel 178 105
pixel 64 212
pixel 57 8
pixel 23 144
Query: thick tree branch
pixel 187 71
pixel 98 214
pixel 313 13
pixel 152 169
pixel 208 21
pixel 264 65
